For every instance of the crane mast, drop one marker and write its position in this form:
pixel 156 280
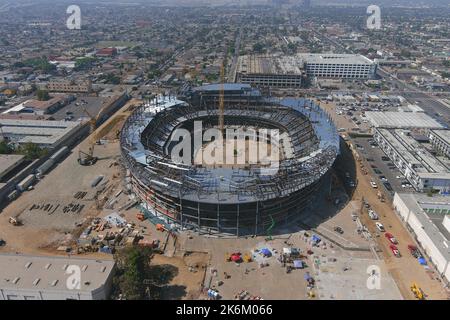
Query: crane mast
pixel 221 99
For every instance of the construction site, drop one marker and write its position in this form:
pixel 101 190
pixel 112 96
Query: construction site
pixel 235 200
pixel 92 204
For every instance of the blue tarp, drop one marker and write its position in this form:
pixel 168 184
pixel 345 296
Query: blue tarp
pixel 316 238
pixel 307 276
pixel 266 252
pixel 422 261
pixel 298 264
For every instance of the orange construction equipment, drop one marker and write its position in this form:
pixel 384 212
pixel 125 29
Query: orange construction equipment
pixel 247 258
pixel 160 227
pixel 418 293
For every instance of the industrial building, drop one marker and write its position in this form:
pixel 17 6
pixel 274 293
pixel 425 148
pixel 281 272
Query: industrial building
pixel 440 139
pixel 422 169
pixel 428 218
pixel 342 66
pixel 401 120
pixel 282 71
pixel 27 277
pixel 270 71
pixel 44 133
pixel 233 200
pixel 69 86
pixel 37 107
pixel 8 162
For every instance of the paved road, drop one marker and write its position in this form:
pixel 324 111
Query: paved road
pixel 237 48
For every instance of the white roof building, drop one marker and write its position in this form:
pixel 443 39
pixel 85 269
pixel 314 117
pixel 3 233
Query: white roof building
pixel 26 277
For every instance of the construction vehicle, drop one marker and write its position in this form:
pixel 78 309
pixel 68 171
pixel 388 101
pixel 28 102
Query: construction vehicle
pixel 87 158
pixel 160 227
pixel 140 216
pixel 15 221
pixel 418 293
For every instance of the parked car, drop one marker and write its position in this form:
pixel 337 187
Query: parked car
pixel 384 158
pixel 414 251
pixel 391 238
pixel 388 186
pixel 395 250
pixel 373 215
pixel 377 171
pixel 380 226
pixel 383 178
pixel 339 230
pixel 373 184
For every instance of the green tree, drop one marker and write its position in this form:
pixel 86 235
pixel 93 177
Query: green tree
pixel 42 95
pixel 258 47
pixel 5 148
pixel 32 151
pixel 133 268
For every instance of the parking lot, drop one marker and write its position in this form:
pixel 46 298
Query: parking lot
pixel 381 168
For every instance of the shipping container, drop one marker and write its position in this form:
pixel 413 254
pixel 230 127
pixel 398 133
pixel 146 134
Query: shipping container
pixel 25 183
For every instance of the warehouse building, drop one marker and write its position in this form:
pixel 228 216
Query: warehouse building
pixel 26 277
pixel 428 218
pixel 270 71
pixel 44 133
pixel 440 139
pixel 343 66
pixel 422 169
pixel 401 120
pixel 8 162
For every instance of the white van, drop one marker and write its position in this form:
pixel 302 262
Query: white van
pixel 380 226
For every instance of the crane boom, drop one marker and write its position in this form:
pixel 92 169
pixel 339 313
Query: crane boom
pixel 221 99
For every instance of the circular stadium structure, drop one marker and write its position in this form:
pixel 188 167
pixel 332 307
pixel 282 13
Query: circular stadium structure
pixel 229 198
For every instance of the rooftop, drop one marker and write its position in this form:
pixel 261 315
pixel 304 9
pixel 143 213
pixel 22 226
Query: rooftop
pixel 8 161
pixel 426 210
pixel 49 273
pixel 424 163
pixel 42 132
pixel 333 58
pixel 392 119
pixel 443 134
pixel 270 64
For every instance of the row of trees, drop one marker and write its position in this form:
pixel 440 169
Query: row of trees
pixel 30 150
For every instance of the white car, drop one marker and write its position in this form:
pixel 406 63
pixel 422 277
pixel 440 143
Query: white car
pixel 373 184
pixel 373 215
pixel 379 226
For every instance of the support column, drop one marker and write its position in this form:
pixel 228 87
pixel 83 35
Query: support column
pixel 237 222
pixel 198 217
pixel 257 213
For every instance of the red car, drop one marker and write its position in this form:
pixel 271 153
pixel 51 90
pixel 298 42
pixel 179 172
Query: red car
pixel 394 250
pixel 391 238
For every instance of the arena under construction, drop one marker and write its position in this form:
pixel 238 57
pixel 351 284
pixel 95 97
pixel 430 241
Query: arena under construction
pixel 232 199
